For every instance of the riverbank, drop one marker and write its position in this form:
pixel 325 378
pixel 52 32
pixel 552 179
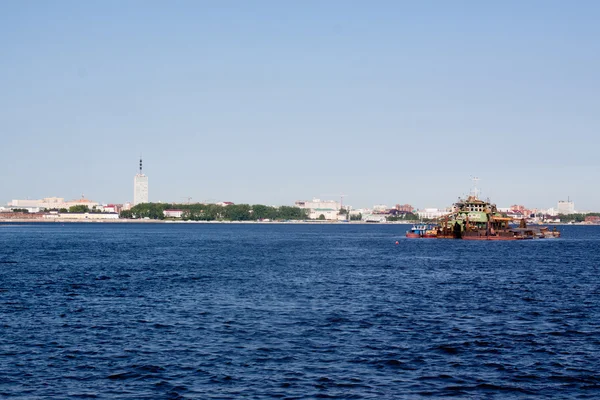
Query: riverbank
pixel 154 221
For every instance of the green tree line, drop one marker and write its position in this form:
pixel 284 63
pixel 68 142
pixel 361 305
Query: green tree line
pixel 575 217
pixel 215 212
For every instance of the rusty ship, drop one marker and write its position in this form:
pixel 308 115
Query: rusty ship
pixel 475 219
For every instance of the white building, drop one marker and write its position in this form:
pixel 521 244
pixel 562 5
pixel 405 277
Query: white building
pixel 361 211
pixel 81 216
pixel 140 187
pixel 317 207
pixel 550 211
pixel 110 208
pixel 329 214
pixel 318 203
pixel 378 218
pixel 173 213
pixel 51 203
pixel 47 202
pixel 432 213
pixel 566 207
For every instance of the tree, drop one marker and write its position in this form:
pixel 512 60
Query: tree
pixel 126 214
pixel 150 210
pixel 292 213
pixel 357 217
pixel 79 208
pixel 215 212
pixel 411 217
pixel 237 212
pixel 260 211
pixel 321 217
pixel 572 217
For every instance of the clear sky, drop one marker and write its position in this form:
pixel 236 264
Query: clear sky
pixel 274 101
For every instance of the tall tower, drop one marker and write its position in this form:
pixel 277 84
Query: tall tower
pixel 140 187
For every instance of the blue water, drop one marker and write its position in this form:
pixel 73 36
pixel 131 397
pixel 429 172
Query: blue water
pixel 294 311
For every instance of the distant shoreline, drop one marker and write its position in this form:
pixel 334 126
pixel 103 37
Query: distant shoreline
pixel 303 222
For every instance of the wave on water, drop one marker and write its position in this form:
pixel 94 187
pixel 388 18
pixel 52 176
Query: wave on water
pixel 294 311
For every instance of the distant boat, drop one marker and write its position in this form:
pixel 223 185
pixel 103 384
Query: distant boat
pixel 422 231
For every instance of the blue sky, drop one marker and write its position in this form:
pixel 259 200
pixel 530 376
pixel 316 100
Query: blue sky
pixel 273 101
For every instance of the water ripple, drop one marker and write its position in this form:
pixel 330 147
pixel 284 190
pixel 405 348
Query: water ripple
pixel 291 311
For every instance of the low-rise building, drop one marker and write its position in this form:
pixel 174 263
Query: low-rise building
pixel 405 208
pixel 328 214
pixel 317 203
pixel 515 214
pixel 110 208
pixel 317 207
pixel 81 216
pixel 432 213
pixel 377 218
pixel 173 213
pixel 52 203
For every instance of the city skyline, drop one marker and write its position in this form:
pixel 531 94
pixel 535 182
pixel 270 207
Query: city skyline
pixel 271 102
pixel 141 196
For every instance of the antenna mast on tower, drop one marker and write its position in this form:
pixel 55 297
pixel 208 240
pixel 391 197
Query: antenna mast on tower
pixel 475 190
pixel 141 164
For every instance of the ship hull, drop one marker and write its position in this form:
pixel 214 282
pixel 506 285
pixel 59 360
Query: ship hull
pixel 490 238
pixel 419 236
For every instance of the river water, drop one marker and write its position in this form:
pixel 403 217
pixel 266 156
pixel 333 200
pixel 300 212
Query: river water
pixel 294 311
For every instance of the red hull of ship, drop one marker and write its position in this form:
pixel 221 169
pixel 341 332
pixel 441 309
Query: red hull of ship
pixel 489 238
pixel 417 236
